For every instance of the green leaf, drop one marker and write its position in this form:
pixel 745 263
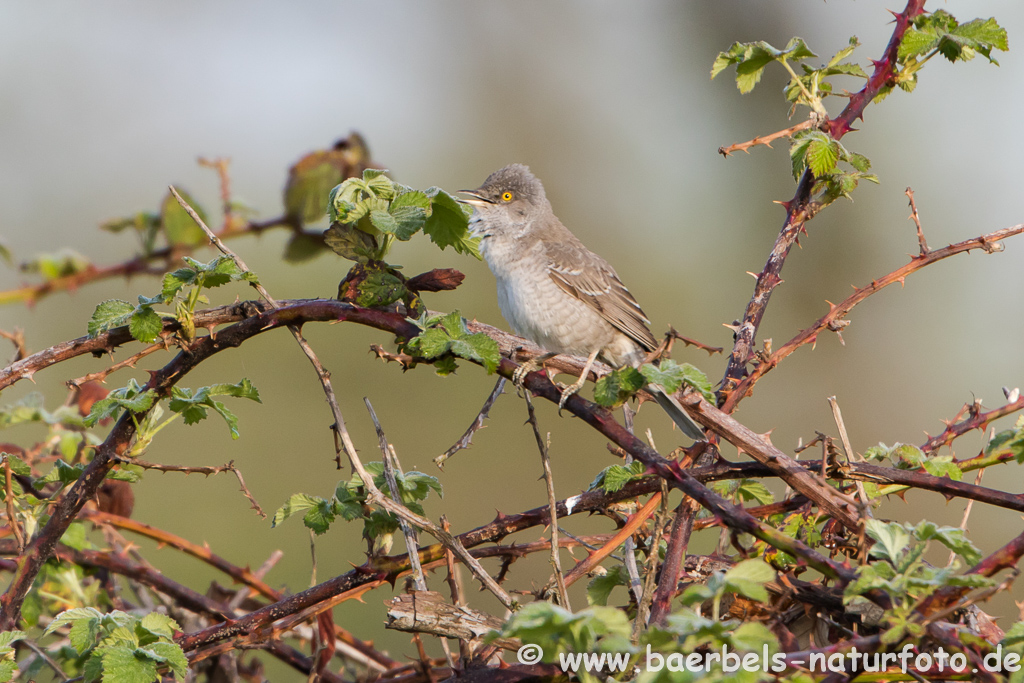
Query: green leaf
pixel 951 537
pixel 447 224
pixel 159 625
pixel 178 226
pixel 8 637
pixel 754 490
pixel 381 287
pixel 131 398
pixel 72 615
pixel 600 587
pixel 63 473
pixel 449 334
pixel 940 31
pixel 408 213
pixel 319 517
pixel 749 577
pixel 193 405
pixel 122 664
pixel 822 156
pixel 618 386
pixel 109 314
pixel 750 60
pixel 7 669
pixel 145 324
pixel 170 654
pixel 614 477
pixel 298 503
pixel 891 539
pixel 64 263
pixel 353 244
pixel 75 536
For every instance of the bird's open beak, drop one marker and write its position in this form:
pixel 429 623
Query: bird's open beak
pixel 476 199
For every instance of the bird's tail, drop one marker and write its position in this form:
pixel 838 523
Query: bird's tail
pixel 676 412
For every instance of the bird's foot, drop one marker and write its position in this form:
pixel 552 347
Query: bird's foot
pixel 519 376
pixel 568 391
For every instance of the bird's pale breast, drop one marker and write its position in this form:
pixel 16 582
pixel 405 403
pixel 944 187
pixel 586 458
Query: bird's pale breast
pixel 538 309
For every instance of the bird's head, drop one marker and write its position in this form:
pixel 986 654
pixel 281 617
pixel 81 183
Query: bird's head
pixel 510 198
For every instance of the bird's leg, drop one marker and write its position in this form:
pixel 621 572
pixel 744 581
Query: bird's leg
pixel 531 365
pixel 575 386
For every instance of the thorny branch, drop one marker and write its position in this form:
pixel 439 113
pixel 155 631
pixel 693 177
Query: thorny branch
pixel 801 208
pixel 832 320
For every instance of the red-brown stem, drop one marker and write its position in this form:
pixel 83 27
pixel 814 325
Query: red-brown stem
pixel 799 210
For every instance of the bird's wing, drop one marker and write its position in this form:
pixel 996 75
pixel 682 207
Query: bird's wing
pixel 588 277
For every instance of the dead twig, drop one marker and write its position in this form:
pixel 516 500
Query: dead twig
pixel 921 242
pixel 465 441
pixel 765 140
pixel 130 362
pixel 411 541
pixel 556 562
pixel 989 243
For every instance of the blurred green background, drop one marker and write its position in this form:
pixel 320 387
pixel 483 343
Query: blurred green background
pixel 102 105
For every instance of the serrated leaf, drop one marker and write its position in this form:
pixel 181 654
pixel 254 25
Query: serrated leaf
pixel 600 587
pixel 614 477
pixel 298 503
pixel 109 314
pixel 131 398
pixel 951 537
pixel 8 637
pixel 478 347
pixel 749 577
pixel 353 244
pixel 70 616
pixel 160 625
pixel 170 654
pixel 145 325
pixel 618 386
pixel 319 517
pixel 380 288
pixel 121 664
pixel 822 156
pixel 891 539
pixel 447 224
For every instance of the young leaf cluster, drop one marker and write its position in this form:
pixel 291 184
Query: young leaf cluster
pixel 145 324
pixel 821 153
pixel 939 32
pixel 602 629
pixel 620 385
pixel 368 214
pixel 909 457
pixel 349 503
pixel 444 337
pixel 900 571
pixel 122 648
pixel 7 664
pixel 192 405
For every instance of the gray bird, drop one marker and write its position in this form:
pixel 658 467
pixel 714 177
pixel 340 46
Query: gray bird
pixel 556 292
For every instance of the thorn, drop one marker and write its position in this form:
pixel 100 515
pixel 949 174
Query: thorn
pixel 753 275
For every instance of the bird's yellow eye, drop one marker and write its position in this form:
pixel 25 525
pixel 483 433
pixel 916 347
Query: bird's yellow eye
pixel 506 196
